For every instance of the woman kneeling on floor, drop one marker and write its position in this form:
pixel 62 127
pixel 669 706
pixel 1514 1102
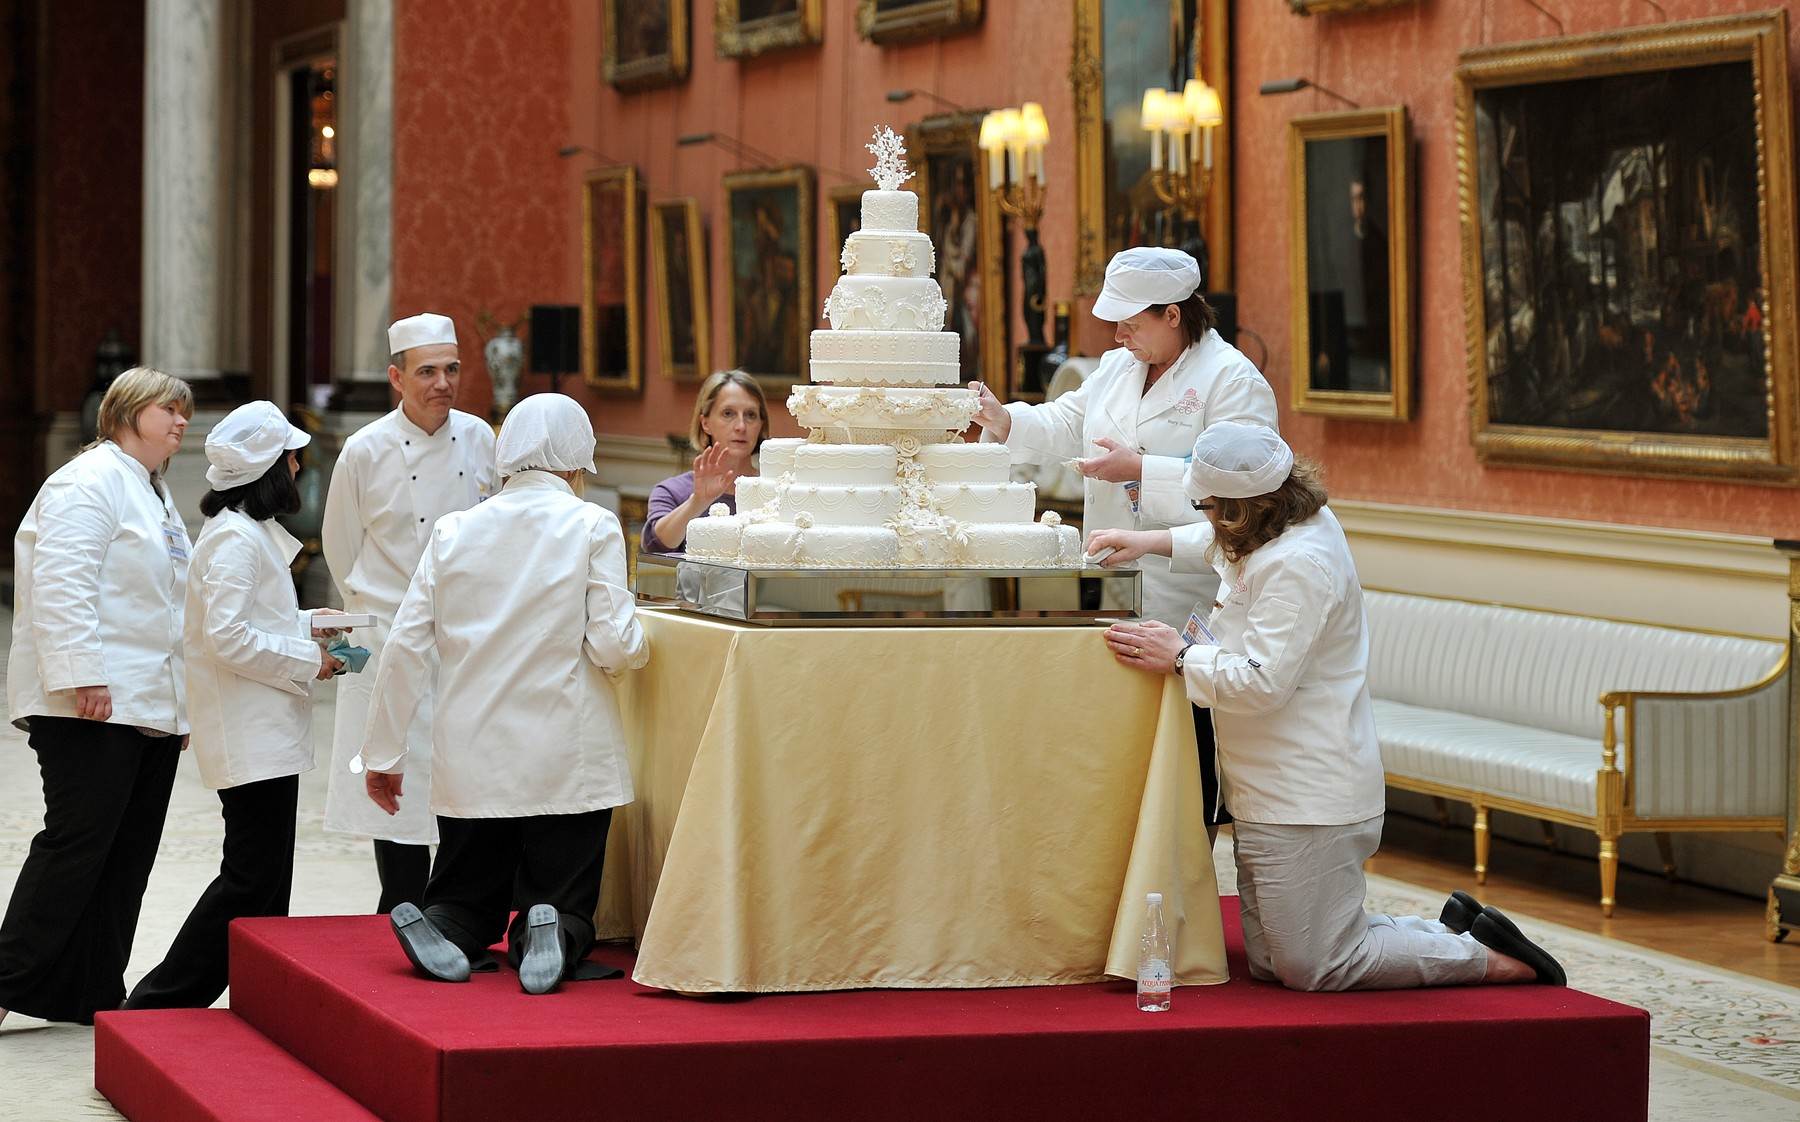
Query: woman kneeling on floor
pixel 522 604
pixel 1283 663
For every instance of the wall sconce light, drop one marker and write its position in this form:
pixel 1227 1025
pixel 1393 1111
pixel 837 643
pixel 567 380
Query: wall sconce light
pixel 1014 140
pixel 897 96
pixel 1291 85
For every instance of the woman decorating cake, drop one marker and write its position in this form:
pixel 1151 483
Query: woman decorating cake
pixel 731 417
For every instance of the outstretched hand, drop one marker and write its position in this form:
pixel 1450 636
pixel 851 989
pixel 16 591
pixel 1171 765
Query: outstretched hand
pixel 992 415
pixel 716 470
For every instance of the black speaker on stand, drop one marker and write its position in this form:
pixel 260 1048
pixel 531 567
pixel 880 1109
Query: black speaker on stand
pixel 555 340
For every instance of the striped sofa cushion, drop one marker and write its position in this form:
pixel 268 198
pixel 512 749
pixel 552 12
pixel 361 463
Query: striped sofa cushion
pixel 1536 766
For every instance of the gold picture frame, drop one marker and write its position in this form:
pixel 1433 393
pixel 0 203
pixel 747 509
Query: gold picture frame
pixel 653 51
pixel 944 156
pixel 900 21
pixel 1331 7
pixel 1351 264
pixel 678 278
pixel 843 217
pixel 737 37
pixel 611 303
pixel 770 310
pixel 1656 334
pixel 1099 205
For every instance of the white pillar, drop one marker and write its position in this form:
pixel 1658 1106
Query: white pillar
pixel 184 179
pixel 366 211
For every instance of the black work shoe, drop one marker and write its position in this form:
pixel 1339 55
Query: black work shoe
pixel 1497 933
pixel 1459 912
pixel 541 966
pixel 434 955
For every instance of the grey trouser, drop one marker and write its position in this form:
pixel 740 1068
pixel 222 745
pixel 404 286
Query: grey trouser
pixel 1301 890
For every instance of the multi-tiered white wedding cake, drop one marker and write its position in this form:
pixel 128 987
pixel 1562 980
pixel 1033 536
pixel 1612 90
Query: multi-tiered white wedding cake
pixel 884 479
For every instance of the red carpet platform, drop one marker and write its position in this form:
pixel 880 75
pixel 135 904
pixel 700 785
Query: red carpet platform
pixel 328 1023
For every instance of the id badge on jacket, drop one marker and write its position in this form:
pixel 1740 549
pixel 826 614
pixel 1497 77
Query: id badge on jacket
pixel 1196 630
pixel 1134 493
pixel 175 538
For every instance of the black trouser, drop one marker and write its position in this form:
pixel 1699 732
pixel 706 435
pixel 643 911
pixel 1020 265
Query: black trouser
pixel 403 868
pixel 68 930
pixel 488 866
pixel 1209 768
pixel 256 877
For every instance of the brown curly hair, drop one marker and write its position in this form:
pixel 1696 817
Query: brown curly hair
pixel 1241 526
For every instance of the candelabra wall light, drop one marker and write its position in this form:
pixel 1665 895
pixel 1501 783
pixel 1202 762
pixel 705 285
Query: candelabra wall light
pixel 1181 144
pixel 1014 140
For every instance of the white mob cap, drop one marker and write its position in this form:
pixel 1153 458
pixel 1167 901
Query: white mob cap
pixel 548 432
pixel 1236 460
pixel 247 441
pixel 421 330
pixel 1139 277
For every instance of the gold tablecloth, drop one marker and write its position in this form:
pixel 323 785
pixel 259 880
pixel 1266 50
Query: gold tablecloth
pixel 833 808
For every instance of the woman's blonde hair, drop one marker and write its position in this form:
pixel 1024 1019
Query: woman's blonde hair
pixel 136 390
pixel 709 393
pixel 1241 526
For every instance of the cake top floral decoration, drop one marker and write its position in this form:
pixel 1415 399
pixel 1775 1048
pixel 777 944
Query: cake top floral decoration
pixel 890 169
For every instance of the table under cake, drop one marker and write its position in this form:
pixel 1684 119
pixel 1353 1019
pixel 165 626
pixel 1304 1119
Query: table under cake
pixel 836 808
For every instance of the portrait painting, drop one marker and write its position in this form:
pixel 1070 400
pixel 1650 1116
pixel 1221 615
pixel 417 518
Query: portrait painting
pixel 747 28
pixel 1624 305
pixel 843 217
pixel 1352 257
pixel 678 279
pixel 959 212
pixel 769 308
pixel 901 21
pixel 610 210
pixel 646 42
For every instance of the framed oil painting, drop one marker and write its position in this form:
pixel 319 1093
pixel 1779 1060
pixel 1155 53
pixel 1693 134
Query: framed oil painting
pixel 1352 264
pixel 898 21
pixel 646 42
pixel 1628 249
pixel 963 218
pixel 1123 47
pixel 769 306
pixel 747 28
pixel 678 278
pixel 610 303
pixel 843 217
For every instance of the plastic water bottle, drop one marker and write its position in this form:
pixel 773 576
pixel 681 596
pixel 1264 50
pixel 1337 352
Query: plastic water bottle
pixel 1154 980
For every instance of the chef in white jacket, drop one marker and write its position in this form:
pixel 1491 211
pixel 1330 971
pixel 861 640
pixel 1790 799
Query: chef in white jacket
pixel 252 657
pixel 395 477
pixel 517 621
pixel 1283 664
pixel 1130 425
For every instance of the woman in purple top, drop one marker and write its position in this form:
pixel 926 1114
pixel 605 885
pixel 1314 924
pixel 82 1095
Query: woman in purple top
pixel 731 417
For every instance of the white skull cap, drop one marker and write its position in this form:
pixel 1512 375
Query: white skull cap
pixel 546 432
pixel 421 330
pixel 1235 460
pixel 1139 277
pixel 246 443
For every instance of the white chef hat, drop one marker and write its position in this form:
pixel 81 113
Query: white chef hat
pixel 546 431
pixel 247 441
pixel 421 330
pixel 1144 275
pixel 1235 460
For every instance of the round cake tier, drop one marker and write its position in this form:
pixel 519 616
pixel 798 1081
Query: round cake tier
pixel 966 463
pixel 1029 545
pixel 777 455
pixel 835 505
pixel 716 537
pixel 888 254
pixel 783 544
pixel 886 304
pixel 871 409
pixel 985 502
pixel 756 491
pixel 887 358
pixel 888 211
pixel 845 463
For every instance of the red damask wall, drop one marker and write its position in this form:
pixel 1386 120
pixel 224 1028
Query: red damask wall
pixel 1406 56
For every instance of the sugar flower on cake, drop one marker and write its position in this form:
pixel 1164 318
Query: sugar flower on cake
pixel 890 169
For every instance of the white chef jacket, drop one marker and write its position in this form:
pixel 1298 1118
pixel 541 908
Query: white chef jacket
pixel 1211 381
pixel 1288 682
pixel 517 618
pixel 392 482
pixel 251 658
pixel 101 562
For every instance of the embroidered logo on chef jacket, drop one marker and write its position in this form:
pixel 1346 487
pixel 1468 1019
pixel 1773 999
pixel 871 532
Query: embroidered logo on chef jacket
pixel 1189 404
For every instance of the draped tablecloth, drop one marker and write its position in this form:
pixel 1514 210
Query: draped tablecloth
pixel 837 808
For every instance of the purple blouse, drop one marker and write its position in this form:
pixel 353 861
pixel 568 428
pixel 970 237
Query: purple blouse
pixel 665 497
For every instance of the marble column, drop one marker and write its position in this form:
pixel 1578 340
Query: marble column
pixel 185 219
pixel 365 223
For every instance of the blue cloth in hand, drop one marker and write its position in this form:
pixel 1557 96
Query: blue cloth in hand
pixel 353 658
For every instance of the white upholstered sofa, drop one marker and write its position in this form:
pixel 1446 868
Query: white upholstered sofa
pixel 1609 726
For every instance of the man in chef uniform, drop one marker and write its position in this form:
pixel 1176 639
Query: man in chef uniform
pixel 395 477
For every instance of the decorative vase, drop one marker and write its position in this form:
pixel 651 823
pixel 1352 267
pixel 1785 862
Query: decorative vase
pixel 505 359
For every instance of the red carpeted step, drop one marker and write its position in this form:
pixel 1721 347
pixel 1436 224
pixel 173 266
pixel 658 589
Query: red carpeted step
pixel 207 1065
pixel 338 994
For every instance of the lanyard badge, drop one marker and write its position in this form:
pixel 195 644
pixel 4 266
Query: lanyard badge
pixel 1196 630
pixel 176 541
